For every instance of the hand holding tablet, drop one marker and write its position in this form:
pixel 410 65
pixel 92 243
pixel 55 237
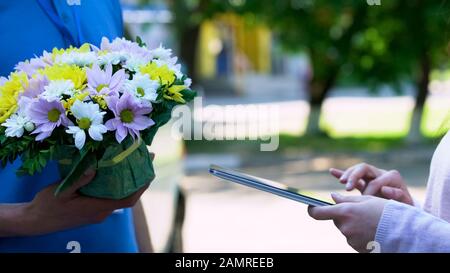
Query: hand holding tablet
pixel 266 185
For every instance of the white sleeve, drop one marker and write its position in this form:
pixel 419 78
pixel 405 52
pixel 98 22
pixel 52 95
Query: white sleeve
pixel 404 228
pixel 417 203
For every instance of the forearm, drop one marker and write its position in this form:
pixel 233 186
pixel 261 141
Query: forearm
pixel 404 228
pixel 13 220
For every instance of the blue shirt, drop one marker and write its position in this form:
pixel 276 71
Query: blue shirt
pixel 27 28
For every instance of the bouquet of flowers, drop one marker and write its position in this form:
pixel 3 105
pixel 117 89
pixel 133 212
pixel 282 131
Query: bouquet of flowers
pixel 91 107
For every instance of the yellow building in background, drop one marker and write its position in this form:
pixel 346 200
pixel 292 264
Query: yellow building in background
pixel 228 45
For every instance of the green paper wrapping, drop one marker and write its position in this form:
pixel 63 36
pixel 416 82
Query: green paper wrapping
pixel 113 180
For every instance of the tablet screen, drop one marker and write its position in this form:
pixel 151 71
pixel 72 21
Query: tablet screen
pixel 267 185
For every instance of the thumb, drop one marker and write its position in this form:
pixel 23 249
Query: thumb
pixel 87 176
pixel 339 198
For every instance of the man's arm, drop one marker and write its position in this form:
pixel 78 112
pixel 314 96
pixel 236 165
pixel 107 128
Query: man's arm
pixel 48 213
pixel 13 221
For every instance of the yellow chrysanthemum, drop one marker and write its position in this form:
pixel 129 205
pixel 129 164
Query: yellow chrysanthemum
pixel 82 49
pixel 174 93
pixel 78 96
pixel 9 92
pixel 102 52
pixel 100 100
pixel 163 73
pixel 66 72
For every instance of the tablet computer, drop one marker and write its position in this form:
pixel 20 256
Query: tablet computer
pixel 266 185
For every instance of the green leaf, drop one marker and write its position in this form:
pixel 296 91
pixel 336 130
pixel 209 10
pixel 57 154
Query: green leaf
pixel 42 161
pixel 140 42
pixel 160 120
pixel 188 94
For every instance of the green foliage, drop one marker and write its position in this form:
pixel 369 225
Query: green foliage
pixel 188 94
pixel 140 42
pixel 34 160
pixel 346 40
pixel 11 149
pixel 372 44
pixel 34 155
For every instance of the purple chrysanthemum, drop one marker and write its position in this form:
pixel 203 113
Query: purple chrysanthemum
pixel 104 82
pixel 31 93
pixel 47 115
pixel 130 116
pixel 123 45
pixel 35 87
pixel 32 65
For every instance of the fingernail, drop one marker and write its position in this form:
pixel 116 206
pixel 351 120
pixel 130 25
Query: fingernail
pixel 89 172
pixel 389 191
pixel 335 194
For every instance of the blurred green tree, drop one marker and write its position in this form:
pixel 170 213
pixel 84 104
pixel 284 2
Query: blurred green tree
pixel 395 42
pixel 391 43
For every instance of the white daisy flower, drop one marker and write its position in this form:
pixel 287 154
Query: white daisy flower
pixel 187 82
pixel 163 54
pixel 134 63
pixel 176 68
pixel 17 124
pixel 3 80
pixel 57 88
pixel 142 87
pixel 89 118
pixel 77 58
pixel 114 58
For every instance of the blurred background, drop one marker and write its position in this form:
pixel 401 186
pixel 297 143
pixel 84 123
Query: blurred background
pixel 355 81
